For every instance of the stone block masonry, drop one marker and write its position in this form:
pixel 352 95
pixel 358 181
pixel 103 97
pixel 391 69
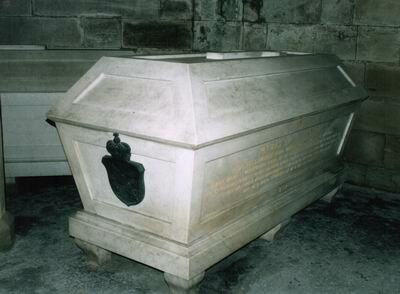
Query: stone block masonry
pixel 365 34
pixel 254 36
pixel 383 80
pixel 15 8
pixel 292 11
pixel 176 9
pixel 378 44
pixel 136 9
pixel 98 24
pixel 101 32
pixel 377 13
pixel 165 35
pixel 217 36
pixel 223 10
pixel 337 12
pixel 339 40
pixel 52 32
pixel 365 148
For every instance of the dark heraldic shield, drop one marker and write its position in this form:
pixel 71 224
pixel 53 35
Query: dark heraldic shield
pixel 126 177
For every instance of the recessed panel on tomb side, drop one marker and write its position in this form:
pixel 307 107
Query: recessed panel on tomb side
pixel 284 93
pixel 130 94
pixel 158 201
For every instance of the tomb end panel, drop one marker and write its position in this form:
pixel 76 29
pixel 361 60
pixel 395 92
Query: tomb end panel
pixel 159 211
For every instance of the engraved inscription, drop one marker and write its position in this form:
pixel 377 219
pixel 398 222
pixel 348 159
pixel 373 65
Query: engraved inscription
pixel 250 172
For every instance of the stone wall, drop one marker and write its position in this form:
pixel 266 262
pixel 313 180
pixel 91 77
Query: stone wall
pixel 365 34
pixel 93 24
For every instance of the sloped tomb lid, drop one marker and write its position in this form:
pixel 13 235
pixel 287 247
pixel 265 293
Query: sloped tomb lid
pixel 191 101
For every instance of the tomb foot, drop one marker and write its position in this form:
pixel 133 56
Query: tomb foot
pixel 96 255
pixel 271 234
pixel 331 195
pixel 179 285
pixel 6 231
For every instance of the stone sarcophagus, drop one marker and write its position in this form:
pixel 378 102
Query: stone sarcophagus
pixel 181 160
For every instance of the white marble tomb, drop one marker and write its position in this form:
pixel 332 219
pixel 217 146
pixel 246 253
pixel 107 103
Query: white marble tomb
pixel 222 150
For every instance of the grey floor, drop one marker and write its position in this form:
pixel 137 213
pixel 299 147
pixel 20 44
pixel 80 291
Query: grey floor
pixel 351 246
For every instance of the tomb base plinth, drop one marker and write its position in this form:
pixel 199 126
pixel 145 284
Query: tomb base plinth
pixel 271 234
pixel 331 195
pixel 96 255
pixel 178 285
